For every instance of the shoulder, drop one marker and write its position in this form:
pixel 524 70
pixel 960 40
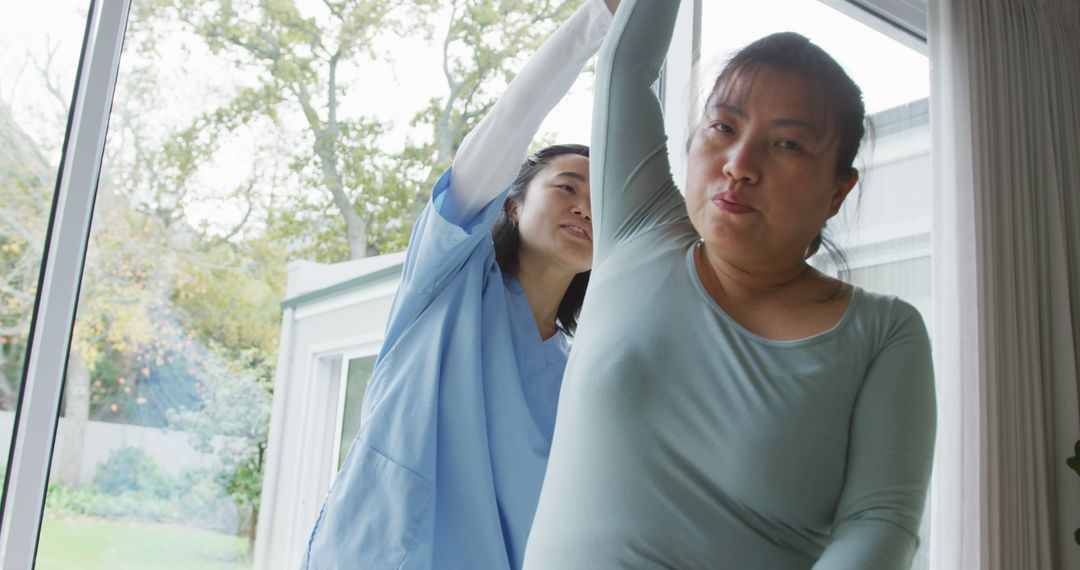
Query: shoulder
pixel 889 321
pixel 889 309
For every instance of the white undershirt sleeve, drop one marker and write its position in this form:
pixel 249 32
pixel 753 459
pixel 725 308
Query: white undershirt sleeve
pixel 491 154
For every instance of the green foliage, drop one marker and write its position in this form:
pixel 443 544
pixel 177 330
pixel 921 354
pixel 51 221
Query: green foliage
pixel 192 498
pixel 164 295
pixel 130 486
pixel 244 483
pixel 305 63
pixel 229 295
pixel 130 470
pixel 25 192
pixel 231 422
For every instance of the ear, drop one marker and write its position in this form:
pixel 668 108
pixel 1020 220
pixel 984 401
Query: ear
pixel 513 208
pixel 843 188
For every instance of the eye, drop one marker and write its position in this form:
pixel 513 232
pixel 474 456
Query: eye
pixel 723 128
pixel 566 187
pixel 788 144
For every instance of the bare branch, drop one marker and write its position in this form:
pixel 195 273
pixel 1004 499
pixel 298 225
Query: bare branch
pixel 335 9
pixel 247 191
pixel 46 70
pixel 310 113
pixel 447 40
pixel 331 94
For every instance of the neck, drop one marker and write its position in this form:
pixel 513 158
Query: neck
pixel 545 286
pixel 746 284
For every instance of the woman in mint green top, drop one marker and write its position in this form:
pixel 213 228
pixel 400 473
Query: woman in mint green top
pixel 725 405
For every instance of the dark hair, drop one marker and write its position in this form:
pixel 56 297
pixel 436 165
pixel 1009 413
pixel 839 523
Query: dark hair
pixel 507 240
pixel 840 98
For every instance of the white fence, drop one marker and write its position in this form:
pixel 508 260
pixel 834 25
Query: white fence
pixel 169 449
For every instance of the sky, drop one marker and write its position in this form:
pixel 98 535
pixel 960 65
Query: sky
pixel 409 74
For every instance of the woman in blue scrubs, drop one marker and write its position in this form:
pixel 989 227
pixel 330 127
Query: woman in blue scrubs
pixel 446 468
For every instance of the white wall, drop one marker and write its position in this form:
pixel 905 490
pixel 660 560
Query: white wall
pixel 316 336
pixel 169 449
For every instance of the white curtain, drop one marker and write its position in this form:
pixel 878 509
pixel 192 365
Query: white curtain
pixel 1006 142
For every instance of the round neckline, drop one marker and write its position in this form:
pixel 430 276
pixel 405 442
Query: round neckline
pixel 856 296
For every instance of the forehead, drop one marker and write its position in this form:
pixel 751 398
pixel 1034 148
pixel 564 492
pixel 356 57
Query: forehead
pixel 772 93
pixel 567 165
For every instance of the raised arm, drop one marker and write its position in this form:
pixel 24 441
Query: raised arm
pixel 890 452
pixel 629 165
pixel 489 157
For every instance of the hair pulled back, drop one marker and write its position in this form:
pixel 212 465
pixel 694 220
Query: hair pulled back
pixel 507 239
pixel 839 98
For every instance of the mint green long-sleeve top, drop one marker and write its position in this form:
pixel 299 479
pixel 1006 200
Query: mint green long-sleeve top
pixel 683 440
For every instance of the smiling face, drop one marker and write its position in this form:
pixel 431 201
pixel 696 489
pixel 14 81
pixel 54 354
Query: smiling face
pixel 762 169
pixel 554 219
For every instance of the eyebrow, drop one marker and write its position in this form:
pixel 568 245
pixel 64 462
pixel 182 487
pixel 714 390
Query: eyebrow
pixel 571 174
pixel 781 122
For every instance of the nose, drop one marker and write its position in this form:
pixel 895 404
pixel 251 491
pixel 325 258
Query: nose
pixel 583 208
pixel 740 163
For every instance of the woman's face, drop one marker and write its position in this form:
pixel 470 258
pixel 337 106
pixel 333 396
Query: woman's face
pixel 761 178
pixel 554 219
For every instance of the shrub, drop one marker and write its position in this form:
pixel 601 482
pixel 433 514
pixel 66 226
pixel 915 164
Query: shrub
pixel 131 470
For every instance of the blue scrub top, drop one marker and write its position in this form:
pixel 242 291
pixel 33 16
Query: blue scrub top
pixel 446 468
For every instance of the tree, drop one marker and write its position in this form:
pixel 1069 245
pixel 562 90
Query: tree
pixel 301 58
pixel 167 298
pixel 230 423
pixel 25 195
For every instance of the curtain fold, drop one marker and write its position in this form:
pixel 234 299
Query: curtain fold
pixel 1005 93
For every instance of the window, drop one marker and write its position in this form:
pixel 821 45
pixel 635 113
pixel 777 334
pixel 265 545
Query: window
pixel 39 52
pixel 223 302
pixel 233 135
pixel 886 221
pixel 353 384
pixel 884 227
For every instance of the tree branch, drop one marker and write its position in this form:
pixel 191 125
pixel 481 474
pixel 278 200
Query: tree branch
pixel 331 94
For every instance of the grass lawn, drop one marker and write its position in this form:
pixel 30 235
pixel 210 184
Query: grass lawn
pixel 91 543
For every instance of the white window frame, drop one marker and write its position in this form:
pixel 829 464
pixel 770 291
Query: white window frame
pixel 49 342
pixel 902 20
pixel 368 350
pixel 326 372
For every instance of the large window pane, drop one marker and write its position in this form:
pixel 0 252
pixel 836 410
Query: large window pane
pixel 260 156
pixel 355 383
pixel 884 228
pixel 40 43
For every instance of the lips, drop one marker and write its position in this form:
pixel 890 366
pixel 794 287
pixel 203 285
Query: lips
pixel 729 202
pixel 576 231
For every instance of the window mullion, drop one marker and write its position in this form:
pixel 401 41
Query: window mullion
pixel 38 411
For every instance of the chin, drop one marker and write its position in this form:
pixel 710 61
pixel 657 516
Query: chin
pixel 579 265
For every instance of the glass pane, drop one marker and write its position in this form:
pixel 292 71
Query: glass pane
pixel 355 384
pixel 250 167
pixel 883 230
pixel 40 46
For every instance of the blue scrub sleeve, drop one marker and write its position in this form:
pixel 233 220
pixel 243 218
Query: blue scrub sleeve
pixel 441 240
pixel 438 249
